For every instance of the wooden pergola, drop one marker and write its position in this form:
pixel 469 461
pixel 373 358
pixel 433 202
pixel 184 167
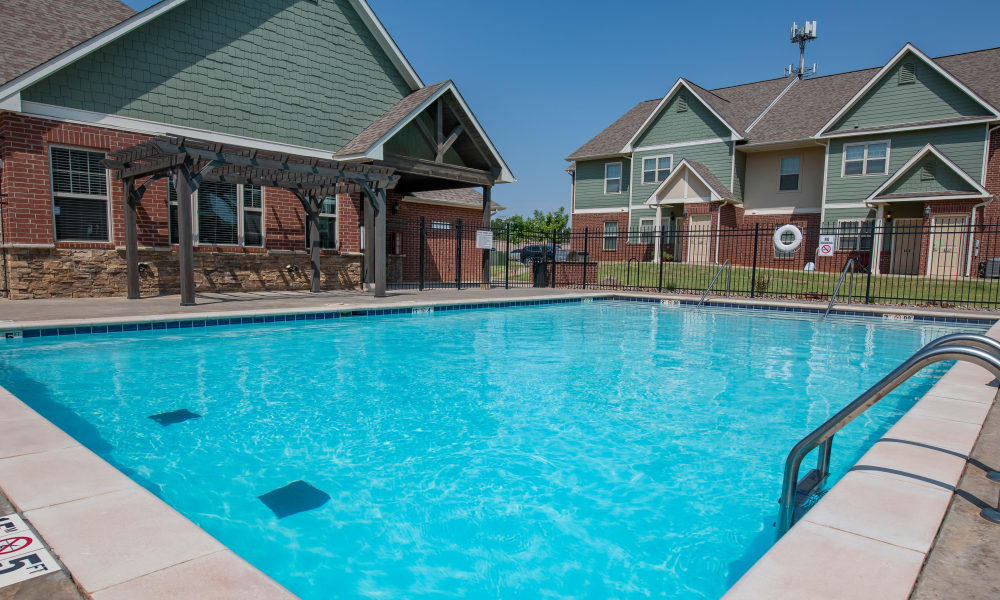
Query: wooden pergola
pixel 190 162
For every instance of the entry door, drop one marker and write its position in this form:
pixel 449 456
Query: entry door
pixel 700 239
pixel 906 234
pixel 948 246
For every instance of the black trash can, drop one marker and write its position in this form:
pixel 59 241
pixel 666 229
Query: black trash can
pixel 538 273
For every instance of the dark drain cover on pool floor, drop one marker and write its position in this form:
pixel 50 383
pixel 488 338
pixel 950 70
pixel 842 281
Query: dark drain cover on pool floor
pixel 294 498
pixel 177 416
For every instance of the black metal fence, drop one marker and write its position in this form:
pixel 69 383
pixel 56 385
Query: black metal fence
pixel 945 263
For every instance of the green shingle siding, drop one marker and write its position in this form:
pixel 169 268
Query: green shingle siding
pixel 930 97
pixel 962 145
pixel 717 156
pixel 590 186
pixel 670 126
pixel 292 71
pixel 943 179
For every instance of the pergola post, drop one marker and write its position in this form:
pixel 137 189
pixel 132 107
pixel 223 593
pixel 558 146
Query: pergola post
pixel 314 251
pixel 131 237
pixel 184 187
pixel 487 216
pixel 379 254
pixel 368 272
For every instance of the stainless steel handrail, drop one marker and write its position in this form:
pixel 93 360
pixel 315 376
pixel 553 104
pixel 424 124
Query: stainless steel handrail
pixel 848 265
pixel 937 351
pixel 714 279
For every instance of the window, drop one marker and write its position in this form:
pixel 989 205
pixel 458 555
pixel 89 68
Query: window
pixel 611 235
pixel 866 159
pixel 226 214
pixel 645 234
pixel 440 225
pixel 656 168
pixel 907 73
pixel 328 239
pixel 788 180
pixel 612 178
pixel 79 194
pixel 854 234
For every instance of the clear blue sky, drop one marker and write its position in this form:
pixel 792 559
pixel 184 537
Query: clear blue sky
pixel 543 77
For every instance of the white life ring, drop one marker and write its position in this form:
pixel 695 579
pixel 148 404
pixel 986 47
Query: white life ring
pixel 790 246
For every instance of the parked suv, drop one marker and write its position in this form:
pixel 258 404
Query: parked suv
pixel 539 252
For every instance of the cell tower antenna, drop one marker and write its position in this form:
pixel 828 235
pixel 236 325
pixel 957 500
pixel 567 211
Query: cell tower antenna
pixel 802 36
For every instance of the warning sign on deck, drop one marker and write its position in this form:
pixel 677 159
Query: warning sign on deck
pixel 827 245
pixel 22 554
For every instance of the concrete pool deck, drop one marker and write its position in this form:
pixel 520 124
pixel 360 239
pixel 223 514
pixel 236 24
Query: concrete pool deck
pixel 868 537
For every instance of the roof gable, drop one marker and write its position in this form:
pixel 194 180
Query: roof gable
pixel 667 125
pixel 399 132
pixel 929 173
pixel 697 179
pixel 929 95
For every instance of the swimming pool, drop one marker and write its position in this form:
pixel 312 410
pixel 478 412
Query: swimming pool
pixel 606 449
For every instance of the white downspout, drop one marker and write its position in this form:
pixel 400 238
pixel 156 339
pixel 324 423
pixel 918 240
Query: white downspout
pixel 718 231
pixel 972 235
pixel 658 232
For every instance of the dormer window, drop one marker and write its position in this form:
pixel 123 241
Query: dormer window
pixel 908 73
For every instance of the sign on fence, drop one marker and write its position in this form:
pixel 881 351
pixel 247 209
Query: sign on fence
pixel 484 239
pixel 827 244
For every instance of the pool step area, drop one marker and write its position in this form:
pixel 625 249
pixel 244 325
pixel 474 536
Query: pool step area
pixel 869 536
pixel 118 540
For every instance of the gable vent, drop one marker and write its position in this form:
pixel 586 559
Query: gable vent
pixel 927 172
pixel 908 74
pixel 682 103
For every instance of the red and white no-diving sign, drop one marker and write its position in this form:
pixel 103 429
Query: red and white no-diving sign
pixel 826 245
pixel 22 554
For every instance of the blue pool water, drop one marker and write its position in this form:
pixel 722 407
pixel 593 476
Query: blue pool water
pixel 600 450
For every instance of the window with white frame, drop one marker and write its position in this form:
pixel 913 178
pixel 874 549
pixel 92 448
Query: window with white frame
pixel 226 214
pixel 656 168
pixel 790 169
pixel 327 221
pixel 871 158
pixel 612 178
pixel 645 234
pixel 611 235
pixel 79 194
pixel 442 225
pixel 854 235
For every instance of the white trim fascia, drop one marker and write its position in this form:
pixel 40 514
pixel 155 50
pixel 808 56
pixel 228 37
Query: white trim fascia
pixel 986 153
pixel 659 107
pixel 387 43
pixel 594 211
pixel 11 103
pixel 682 144
pixel 686 167
pixel 375 150
pixel 771 105
pixel 826 176
pixel 929 149
pixel 786 210
pixel 141 18
pixel 892 63
pixel 843 134
pixel 839 205
pixel 75 115
pixel 80 50
pixel 969 196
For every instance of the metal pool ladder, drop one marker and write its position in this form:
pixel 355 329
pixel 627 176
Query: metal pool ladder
pixel 848 265
pixel 967 347
pixel 729 278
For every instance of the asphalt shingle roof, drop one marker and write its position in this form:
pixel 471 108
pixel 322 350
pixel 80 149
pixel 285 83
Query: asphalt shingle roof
pixel 713 182
pixel 802 110
pixel 34 31
pixel 384 124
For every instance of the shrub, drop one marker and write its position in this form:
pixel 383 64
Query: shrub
pixel 668 257
pixel 763 282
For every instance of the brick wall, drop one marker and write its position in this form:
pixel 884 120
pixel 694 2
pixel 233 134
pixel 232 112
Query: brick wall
pixel 403 238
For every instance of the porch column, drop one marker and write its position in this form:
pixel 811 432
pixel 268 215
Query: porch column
pixel 183 185
pixel 379 253
pixel 368 272
pixel 487 216
pixel 131 238
pixel 879 241
pixel 658 234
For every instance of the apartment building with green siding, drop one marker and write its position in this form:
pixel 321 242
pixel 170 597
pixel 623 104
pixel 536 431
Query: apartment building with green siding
pixel 908 142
